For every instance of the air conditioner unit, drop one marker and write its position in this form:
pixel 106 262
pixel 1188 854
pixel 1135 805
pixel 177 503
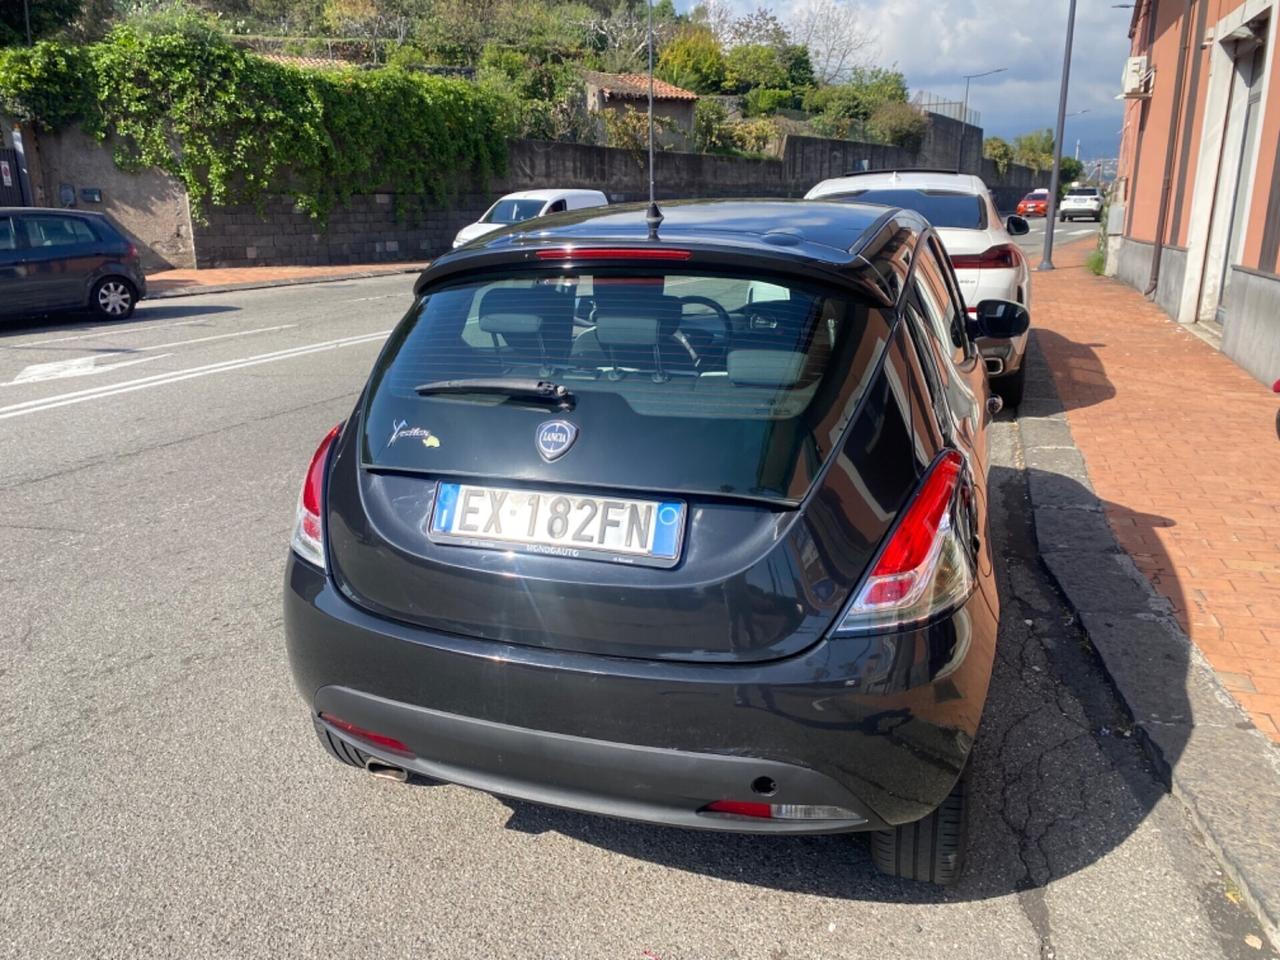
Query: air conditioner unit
pixel 1136 81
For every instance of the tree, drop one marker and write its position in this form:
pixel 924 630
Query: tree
pixel 711 130
pixel 900 124
pixel 47 18
pixel 716 16
pixel 795 58
pixel 693 60
pixel 550 96
pixel 761 26
pixel 1069 172
pixel 753 65
pixel 1034 150
pixel 628 129
pixel 621 38
pixel 835 36
pixel 998 150
pixel 374 20
pixel 868 88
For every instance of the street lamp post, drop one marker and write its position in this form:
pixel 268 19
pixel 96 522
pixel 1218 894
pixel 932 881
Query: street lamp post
pixel 1051 214
pixel 1077 113
pixel 964 110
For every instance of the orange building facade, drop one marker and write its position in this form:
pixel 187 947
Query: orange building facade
pixel 1195 215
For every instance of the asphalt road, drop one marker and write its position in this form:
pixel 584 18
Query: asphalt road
pixel 163 794
pixel 1032 244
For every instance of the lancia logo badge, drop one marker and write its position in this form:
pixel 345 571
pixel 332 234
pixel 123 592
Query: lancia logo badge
pixel 554 438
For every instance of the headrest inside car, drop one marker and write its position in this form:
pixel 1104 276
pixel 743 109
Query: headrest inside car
pixel 510 323
pixel 765 368
pixel 511 311
pixel 640 322
pixel 626 329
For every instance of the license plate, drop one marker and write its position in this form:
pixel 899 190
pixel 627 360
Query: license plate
pixel 647 532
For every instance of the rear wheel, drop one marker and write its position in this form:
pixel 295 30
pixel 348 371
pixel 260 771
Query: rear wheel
pixel 930 850
pixel 113 298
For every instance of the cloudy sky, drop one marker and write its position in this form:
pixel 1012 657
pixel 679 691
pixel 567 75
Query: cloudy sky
pixel 936 42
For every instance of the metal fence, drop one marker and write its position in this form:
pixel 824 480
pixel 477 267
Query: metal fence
pixel 943 107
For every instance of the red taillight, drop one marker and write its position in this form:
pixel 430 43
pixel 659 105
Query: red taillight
pixel 133 252
pixel 390 744
pixel 308 530
pixel 783 811
pixel 924 568
pixel 740 808
pixel 1275 387
pixel 1004 256
pixel 613 253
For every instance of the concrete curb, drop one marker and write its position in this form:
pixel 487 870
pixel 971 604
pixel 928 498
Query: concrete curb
pixel 196 289
pixel 1224 771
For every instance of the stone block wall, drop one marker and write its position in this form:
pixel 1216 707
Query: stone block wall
pixel 379 226
pixel 373 227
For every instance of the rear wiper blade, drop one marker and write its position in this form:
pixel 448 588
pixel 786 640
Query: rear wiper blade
pixel 517 388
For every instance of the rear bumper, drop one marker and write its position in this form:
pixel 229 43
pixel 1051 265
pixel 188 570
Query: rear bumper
pixel 648 784
pixel 879 726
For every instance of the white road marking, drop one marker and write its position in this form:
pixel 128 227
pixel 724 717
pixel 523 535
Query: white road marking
pixel 220 336
pixel 75 367
pixel 177 376
pixel 85 366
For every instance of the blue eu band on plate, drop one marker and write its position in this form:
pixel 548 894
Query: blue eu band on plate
pixel 646 532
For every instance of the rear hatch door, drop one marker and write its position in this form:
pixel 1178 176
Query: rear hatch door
pixel 669 505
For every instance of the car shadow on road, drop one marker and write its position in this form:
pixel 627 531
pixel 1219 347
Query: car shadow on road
pixel 73 323
pixel 1058 779
pixel 1089 381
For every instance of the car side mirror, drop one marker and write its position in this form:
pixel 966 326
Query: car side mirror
pixel 1017 226
pixel 1000 320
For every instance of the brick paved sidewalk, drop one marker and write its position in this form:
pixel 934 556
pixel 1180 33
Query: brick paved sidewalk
pixel 1182 448
pixel 167 281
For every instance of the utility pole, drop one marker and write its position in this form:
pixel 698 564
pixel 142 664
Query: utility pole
pixel 26 18
pixel 1046 263
pixel 964 111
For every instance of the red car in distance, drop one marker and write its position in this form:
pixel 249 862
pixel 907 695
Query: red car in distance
pixel 1034 204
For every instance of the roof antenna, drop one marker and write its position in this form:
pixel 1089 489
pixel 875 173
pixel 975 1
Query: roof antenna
pixel 652 216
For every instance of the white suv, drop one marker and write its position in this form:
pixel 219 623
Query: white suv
pixel 988 264
pixel 1081 202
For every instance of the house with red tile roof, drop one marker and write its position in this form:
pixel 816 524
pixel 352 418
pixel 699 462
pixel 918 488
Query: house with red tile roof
pixel 620 92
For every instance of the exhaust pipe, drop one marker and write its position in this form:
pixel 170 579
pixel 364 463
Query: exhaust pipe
pixel 387 771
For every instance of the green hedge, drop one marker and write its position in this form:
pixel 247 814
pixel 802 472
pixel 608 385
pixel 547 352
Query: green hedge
pixel 232 126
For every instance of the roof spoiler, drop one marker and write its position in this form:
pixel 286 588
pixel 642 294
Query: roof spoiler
pixel 865 173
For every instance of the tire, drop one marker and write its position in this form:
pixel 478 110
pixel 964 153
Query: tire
pixel 1011 387
pixel 113 298
pixel 930 850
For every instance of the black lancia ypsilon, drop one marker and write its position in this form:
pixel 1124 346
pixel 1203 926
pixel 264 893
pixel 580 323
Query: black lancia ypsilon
pixel 689 529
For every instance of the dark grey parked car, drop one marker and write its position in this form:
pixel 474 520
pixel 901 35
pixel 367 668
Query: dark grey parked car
pixel 691 531
pixel 52 260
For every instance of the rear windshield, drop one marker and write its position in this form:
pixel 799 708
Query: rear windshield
pixel 685 382
pixel 1037 195
pixel 513 211
pixel 942 208
pixel 1083 192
